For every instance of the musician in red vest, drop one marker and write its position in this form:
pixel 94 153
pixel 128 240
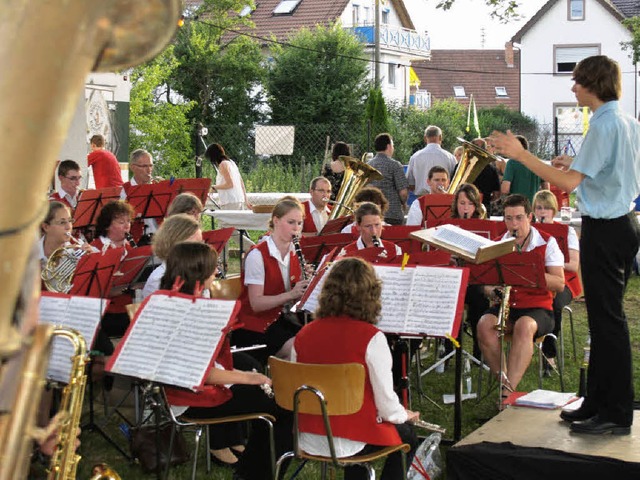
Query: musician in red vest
pixel 438 181
pixel 545 207
pixel 344 332
pixel 530 314
pixel 273 282
pixel 70 178
pixel 316 211
pixel 369 221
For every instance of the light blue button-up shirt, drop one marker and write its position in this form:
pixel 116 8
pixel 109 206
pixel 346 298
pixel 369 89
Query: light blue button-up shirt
pixel 610 160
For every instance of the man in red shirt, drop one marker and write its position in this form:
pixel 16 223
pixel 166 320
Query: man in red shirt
pixel 106 169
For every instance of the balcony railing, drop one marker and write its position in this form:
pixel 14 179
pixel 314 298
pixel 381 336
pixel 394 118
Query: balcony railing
pixel 396 38
pixel 420 99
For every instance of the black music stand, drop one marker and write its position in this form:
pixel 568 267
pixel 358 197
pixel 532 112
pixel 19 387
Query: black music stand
pixel 315 247
pixel 437 207
pixel 91 202
pixel 335 225
pixel 517 269
pixel 200 187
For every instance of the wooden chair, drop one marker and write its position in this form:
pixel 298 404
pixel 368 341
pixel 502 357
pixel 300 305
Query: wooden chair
pixel 328 389
pixel 202 424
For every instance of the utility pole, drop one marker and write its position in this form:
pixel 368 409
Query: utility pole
pixel 376 39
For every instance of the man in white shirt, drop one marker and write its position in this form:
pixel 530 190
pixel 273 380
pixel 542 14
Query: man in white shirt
pixel 438 181
pixel 423 160
pixel 70 178
pixel 316 209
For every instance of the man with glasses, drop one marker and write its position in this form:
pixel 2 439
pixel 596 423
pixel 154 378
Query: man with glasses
pixel 531 310
pixel 316 211
pixel 141 165
pixel 105 166
pixel 70 178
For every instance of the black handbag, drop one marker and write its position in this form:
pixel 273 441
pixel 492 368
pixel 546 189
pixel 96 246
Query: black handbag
pixel 143 446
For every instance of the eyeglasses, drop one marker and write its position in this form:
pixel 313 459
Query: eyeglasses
pixel 63 222
pixel 542 207
pixel 322 191
pixel 150 165
pixel 75 178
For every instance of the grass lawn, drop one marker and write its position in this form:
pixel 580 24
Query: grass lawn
pixel 474 413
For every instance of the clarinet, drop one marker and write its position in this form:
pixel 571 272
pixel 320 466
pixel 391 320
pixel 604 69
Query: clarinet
pixel 303 263
pixel 376 241
pixel 129 238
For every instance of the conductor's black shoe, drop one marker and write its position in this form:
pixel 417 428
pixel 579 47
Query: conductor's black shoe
pixel 576 415
pixel 595 426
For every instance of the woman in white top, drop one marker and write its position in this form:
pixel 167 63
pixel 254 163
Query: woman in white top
pixel 229 184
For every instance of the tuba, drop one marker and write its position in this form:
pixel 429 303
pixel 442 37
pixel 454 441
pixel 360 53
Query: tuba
pixel 81 35
pixel 356 175
pixel 474 160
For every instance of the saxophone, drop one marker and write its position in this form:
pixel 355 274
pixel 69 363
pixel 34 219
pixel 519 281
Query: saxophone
pixel 64 460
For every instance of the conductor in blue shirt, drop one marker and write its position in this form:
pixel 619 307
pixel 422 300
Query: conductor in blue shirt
pixel 606 176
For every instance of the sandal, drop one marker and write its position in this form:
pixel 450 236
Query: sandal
pixel 223 457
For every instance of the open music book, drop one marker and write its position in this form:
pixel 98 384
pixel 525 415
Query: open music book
pixel 467 245
pixel 80 313
pixel 174 339
pixel 425 301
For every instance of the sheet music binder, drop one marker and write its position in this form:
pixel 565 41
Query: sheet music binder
pixel 490 229
pixel 80 313
pixel 218 238
pixel 90 204
pixel 481 250
pixel 94 273
pixel 174 339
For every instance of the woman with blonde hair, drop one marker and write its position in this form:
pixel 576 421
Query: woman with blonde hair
pixel 186 202
pixel 273 282
pixel 181 227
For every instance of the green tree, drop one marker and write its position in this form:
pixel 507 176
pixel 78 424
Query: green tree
pixel 318 78
pixel 376 115
pixel 158 122
pixel 503 10
pixel 501 118
pixel 633 24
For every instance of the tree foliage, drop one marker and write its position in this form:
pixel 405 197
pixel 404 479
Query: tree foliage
pixel 503 10
pixel 157 122
pixel 376 117
pixel 318 78
pixel 633 24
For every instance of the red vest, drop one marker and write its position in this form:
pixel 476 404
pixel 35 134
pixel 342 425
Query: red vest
pixel 351 250
pixel 309 225
pixel 344 340
pixel 273 285
pixel 55 197
pixel 210 395
pixel 524 297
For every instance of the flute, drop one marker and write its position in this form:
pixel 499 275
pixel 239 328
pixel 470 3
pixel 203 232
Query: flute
pixel 432 427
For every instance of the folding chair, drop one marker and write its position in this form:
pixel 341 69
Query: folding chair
pixel 327 390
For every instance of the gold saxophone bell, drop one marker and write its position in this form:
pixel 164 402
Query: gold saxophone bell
pixel 102 471
pixel 356 175
pixel 474 160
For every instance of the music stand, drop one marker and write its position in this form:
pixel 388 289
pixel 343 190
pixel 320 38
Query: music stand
pixel 375 255
pixel 315 247
pixel 399 234
pixel 437 207
pixel 218 239
pixel 91 202
pixel 486 228
pixel 95 272
pixel 432 258
pixel 560 232
pixel 150 200
pixel 517 269
pixel 335 225
pixel 200 187
pixel 131 267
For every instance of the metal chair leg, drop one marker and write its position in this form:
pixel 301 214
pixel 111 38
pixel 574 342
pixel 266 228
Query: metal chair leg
pixel 282 458
pixel 573 333
pixel 195 453
pixel 207 433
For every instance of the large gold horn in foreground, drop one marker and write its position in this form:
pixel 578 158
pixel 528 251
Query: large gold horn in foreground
pixel 46 50
pixel 356 175
pixel 474 160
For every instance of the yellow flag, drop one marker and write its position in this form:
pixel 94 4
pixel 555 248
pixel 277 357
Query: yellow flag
pixel 585 120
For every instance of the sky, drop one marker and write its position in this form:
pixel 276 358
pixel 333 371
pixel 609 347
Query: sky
pixel 461 26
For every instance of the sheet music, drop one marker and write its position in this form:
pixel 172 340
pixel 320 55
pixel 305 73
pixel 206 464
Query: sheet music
pixel 80 313
pixel 419 300
pixel 173 339
pixel 463 239
pixel 433 300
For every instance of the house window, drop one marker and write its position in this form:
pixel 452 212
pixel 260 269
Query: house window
pixel 286 7
pixel 576 9
pixel 501 92
pixel 385 16
pixel 391 76
pixel 459 92
pixel 567 57
pixel 355 15
pixel 366 17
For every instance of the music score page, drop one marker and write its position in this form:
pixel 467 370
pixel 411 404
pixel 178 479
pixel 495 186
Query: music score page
pixel 422 300
pixel 80 313
pixel 173 340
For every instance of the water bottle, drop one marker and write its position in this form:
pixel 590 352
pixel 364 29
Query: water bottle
pixel 587 353
pixel 440 366
pixel 467 376
pixel 582 385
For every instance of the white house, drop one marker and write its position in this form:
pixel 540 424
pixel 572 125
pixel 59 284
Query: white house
pixel 559 35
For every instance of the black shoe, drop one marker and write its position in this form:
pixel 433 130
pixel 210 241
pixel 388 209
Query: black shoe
pixel 595 426
pixel 576 415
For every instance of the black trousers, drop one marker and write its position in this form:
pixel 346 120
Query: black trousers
pixel 393 465
pixel 607 250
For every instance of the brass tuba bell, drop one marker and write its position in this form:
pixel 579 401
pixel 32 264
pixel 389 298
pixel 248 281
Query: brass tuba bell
pixel 474 160
pixel 356 175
